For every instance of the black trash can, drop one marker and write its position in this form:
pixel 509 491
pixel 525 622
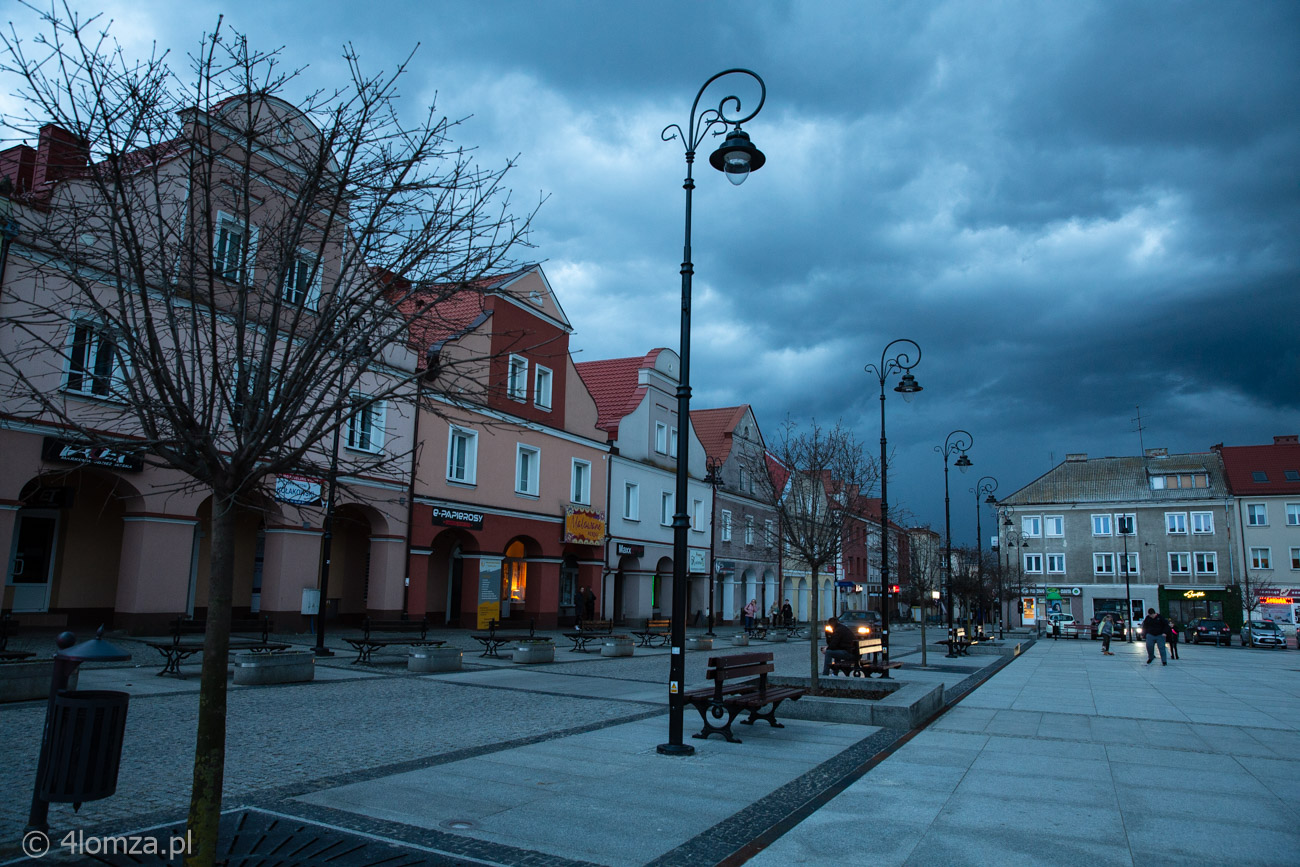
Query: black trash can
pixel 86 729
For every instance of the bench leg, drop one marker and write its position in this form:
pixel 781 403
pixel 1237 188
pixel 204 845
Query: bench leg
pixel 717 711
pixel 770 716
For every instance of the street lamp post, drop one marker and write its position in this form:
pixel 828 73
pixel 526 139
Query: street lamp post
pixel 986 486
pixel 1013 539
pixel 1002 611
pixel 736 158
pixel 957 441
pixel 902 363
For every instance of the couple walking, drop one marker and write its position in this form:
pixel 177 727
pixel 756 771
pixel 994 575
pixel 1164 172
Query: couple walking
pixel 1156 629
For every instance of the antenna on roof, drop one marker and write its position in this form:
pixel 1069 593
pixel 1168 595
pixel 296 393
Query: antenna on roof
pixel 1142 449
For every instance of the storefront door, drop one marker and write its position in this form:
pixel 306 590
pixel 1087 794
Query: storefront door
pixel 31 563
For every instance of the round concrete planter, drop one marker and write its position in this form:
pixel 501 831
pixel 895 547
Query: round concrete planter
pixel 618 646
pixel 741 640
pixel 699 644
pixel 429 659
pixel 534 652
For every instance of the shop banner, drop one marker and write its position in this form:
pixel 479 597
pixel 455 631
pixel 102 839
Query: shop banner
pixel 444 516
pixel 583 526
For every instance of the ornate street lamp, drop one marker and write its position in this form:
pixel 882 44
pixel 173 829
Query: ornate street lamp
pixel 986 485
pixel 901 362
pixel 736 158
pixel 1013 540
pixel 957 441
pixel 992 502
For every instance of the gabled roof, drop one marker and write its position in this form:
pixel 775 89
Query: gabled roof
pixel 1120 479
pixel 1241 463
pixel 614 385
pixel 776 471
pixel 715 428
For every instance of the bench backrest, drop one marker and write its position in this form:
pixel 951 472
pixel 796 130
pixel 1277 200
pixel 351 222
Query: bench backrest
pixel 960 633
pixel 741 665
pixel 658 624
pixel 421 626
pixel 870 645
pixel 595 626
pixel 189 626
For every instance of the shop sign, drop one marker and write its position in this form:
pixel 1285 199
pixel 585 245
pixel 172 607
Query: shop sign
pixel 1194 594
pixel 448 517
pixel 1277 600
pixel 697 560
pixel 299 490
pixel 725 567
pixel 1058 591
pixel 583 526
pixel 627 549
pixel 55 449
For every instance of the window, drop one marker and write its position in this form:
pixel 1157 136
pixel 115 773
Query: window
pixel 1101 525
pixel 1125 524
pixel 769 534
pixel 1293 475
pixel 749 529
pixel 666 508
pixel 1103 564
pixel 94 363
pixel 726 525
pixel 542 387
pixel 1207 563
pixel 1293 514
pixel 302 283
pixel 744 478
pixel 581 486
pixel 1130 567
pixel 462 455
pixel 1180 563
pixel 672 442
pixel 234 249
pixel 1054 525
pixel 1257 515
pixel 1176 523
pixel 1295 558
pixel 1202 523
pixel 1261 558
pixel 1259 476
pixel 632 501
pixel 1174 481
pixel 1056 564
pixel 517 378
pixel 366 425
pixel 1034 563
pixel 528 463
pixel 1031 525
pixel 697 516
pixel 661 438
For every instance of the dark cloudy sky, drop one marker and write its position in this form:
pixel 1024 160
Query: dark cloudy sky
pixel 1075 208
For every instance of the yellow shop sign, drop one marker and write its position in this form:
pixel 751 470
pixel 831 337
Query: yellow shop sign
pixel 584 526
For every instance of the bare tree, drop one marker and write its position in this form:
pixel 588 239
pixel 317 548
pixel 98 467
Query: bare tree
pixel 925 576
pixel 811 479
pixel 231 273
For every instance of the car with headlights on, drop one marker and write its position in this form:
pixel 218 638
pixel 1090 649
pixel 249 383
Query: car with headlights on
pixel 1204 629
pixel 862 622
pixel 1262 633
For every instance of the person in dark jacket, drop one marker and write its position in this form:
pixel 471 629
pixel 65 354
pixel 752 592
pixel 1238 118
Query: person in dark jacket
pixel 839 643
pixel 1154 627
pixel 787 613
pixel 1172 634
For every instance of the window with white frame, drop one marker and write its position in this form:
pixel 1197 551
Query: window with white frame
pixel 1176 523
pixel 726 525
pixel 1295 558
pixel 1131 566
pixel 631 501
pixel 749 529
pixel 462 455
pixel 1293 514
pixel 1261 558
pixel 1125 524
pixel 1056 564
pixel 1103 564
pixel 1034 563
pixel 1207 562
pixel 233 249
pixel 542 387
pixel 1203 523
pixel 528 466
pixel 366 424
pixel 1257 515
pixel 1180 563
pixel 517 378
pixel 302 282
pixel 581 482
pixel 672 442
pixel 661 438
pixel 769 533
pixel 1101 525
pixel 744 478
pixel 1031 525
pixel 1054 526
pixel 666 508
pixel 94 362
pixel 697 516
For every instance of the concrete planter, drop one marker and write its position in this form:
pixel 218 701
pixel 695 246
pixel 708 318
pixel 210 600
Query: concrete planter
pixel 906 707
pixel 776 637
pixel 28 679
pixel 285 666
pixel 534 652
pixel 429 659
pixel 741 640
pixel 699 644
pixel 617 646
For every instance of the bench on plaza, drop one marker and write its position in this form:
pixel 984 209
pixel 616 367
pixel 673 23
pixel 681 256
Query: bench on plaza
pixel 179 648
pixel 493 641
pixel 867 659
pixel 957 642
pixel 1070 630
pixel 656 633
pixel 739 684
pixel 587 632
pixel 378 634
pixel 8 627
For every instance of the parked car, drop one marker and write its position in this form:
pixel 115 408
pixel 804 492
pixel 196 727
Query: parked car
pixel 1202 629
pixel 1262 633
pixel 862 622
pixel 1117 635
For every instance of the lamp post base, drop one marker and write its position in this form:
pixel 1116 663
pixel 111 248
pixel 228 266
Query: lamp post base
pixel 675 750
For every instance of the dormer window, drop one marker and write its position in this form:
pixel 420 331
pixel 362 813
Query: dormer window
pixel 1259 476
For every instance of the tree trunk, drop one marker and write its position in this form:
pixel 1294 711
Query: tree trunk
pixel 814 633
pixel 210 744
pixel 923 663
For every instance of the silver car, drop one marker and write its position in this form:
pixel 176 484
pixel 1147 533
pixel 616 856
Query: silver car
pixel 1262 633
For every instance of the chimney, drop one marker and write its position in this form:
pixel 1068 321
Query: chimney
pixel 1157 453
pixel 1286 440
pixel 59 155
pixel 17 164
pixel 1076 457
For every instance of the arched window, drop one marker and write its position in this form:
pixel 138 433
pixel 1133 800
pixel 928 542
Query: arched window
pixel 514 577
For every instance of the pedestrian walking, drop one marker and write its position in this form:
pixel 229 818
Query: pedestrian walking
pixel 1107 630
pixel 1173 640
pixel 1153 627
pixel 750 611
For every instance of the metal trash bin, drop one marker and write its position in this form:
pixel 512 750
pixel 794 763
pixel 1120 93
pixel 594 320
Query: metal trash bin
pixel 86 730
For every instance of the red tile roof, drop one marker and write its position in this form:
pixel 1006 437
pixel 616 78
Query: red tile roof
pixel 714 427
pixel 613 384
pixel 1240 463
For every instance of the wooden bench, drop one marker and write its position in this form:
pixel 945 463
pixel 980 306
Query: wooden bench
pixel 1070 630
pixel 389 632
pixel 588 631
pixel 492 640
pixel 656 633
pixel 8 627
pixel 958 643
pixel 176 651
pixel 739 683
pixel 861 664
